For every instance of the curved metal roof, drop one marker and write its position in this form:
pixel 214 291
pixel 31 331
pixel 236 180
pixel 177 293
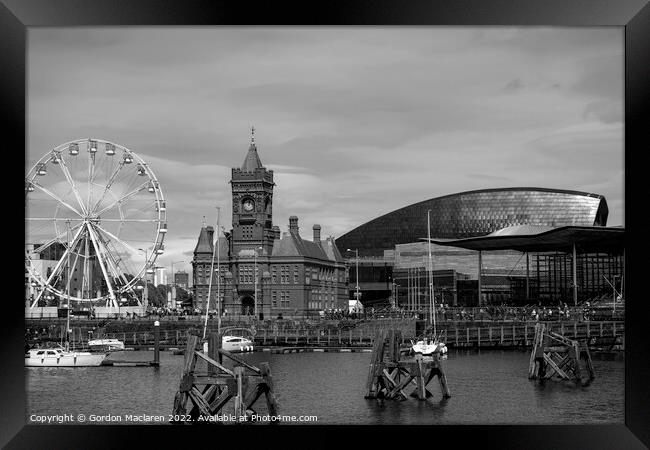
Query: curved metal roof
pixel 477 213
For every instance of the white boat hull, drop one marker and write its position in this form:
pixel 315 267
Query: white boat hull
pixel 233 344
pixel 238 347
pixel 83 359
pixel 428 349
pixel 105 345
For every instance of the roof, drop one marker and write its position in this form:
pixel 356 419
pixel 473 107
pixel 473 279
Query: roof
pixel 331 250
pixel 252 160
pixel 205 242
pixel 527 238
pixel 291 244
pixel 477 213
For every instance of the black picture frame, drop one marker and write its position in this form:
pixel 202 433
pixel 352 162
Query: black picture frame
pixel 633 15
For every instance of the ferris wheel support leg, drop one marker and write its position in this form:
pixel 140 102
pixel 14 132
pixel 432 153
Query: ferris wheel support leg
pixel 98 250
pixel 58 266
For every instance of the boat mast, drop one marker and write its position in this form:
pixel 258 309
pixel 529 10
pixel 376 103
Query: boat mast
pixel 218 274
pixel 207 305
pixel 432 300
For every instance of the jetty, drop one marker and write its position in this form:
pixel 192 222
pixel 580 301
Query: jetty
pixel 139 335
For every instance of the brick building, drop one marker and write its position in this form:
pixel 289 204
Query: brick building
pixel 261 269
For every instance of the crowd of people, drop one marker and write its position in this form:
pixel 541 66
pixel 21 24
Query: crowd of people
pixel 444 312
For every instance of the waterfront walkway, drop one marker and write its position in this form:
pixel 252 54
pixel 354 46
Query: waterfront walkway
pixel 607 334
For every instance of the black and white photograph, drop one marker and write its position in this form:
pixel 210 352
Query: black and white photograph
pixel 289 226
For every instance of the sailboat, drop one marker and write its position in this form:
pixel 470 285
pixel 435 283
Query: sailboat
pixel 231 343
pixel 63 357
pixel 428 346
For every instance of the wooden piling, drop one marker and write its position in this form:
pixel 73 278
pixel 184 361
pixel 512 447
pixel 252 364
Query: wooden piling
pixel 210 391
pixel 214 344
pixel 375 363
pixel 389 375
pixel 555 355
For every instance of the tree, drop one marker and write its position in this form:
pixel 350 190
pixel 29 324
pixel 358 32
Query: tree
pixel 163 289
pixel 184 297
pixel 155 298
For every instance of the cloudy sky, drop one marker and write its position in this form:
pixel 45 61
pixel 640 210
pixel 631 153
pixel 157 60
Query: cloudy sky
pixel 355 122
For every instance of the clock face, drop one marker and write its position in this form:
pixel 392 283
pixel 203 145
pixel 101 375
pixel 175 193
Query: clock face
pixel 248 205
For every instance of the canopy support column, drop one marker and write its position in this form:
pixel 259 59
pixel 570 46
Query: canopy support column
pixel 527 279
pixel 479 277
pixel 575 276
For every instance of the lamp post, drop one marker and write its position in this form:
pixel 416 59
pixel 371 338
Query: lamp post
pixel 356 295
pixel 255 275
pixel 396 290
pixel 174 283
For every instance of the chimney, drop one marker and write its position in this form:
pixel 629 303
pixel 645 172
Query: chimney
pixel 293 225
pixel 276 232
pixel 317 233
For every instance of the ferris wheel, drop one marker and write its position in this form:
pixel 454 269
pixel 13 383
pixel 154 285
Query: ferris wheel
pixel 95 222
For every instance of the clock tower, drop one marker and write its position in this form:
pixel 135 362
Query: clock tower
pixel 252 202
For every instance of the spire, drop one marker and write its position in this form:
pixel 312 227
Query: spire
pixel 204 243
pixel 252 160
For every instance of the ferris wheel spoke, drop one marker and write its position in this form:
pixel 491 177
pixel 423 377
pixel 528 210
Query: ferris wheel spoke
pixel 112 263
pixel 100 259
pixel 66 172
pixel 120 241
pixel 57 198
pixel 110 182
pixel 91 181
pixel 124 197
pixel 132 220
pixel 53 219
pixel 55 239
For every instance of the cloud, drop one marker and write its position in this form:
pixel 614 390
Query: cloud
pixel 355 122
pixel 514 85
pixel 606 111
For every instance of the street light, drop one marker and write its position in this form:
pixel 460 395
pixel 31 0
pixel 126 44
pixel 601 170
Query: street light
pixel 357 263
pixel 255 275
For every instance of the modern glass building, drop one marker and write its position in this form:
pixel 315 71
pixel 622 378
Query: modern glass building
pixel 390 246
pixel 476 213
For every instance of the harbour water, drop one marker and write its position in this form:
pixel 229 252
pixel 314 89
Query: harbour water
pixel 487 387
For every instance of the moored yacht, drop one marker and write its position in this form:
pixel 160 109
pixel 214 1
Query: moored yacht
pixel 56 357
pixel 233 344
pixel 429 347
pixel 105 345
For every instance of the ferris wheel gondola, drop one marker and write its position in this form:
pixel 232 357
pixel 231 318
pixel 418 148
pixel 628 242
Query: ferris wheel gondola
pixel 94 222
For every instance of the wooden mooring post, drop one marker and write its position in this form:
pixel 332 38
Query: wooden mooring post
pixel 209 392
pixel 390 373
pixel 555 355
